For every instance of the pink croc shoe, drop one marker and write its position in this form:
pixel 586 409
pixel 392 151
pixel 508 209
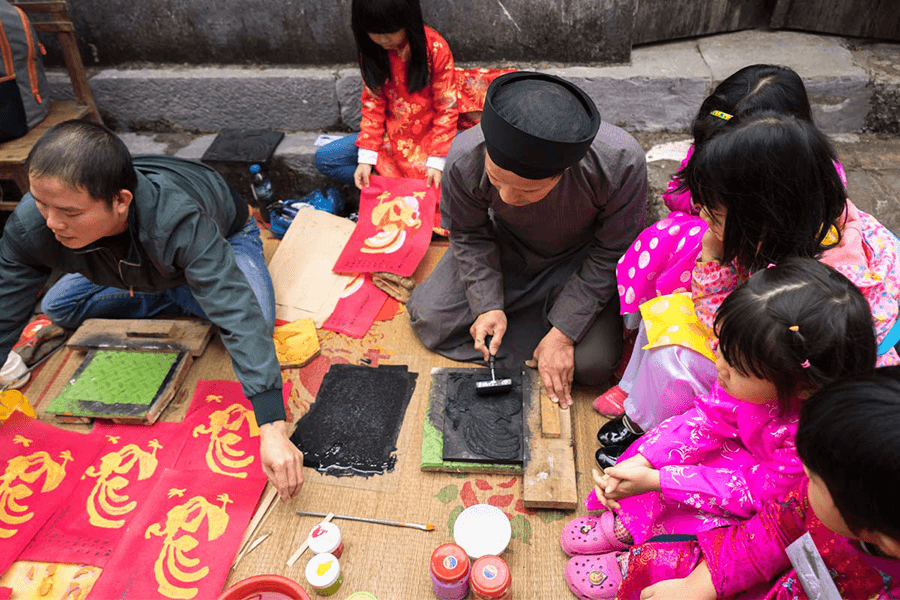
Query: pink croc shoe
pixel 611 403
pixel 595 577
pixel 590 535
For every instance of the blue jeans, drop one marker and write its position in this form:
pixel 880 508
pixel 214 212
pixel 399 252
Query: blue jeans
pixel 338 159
pixel 74 298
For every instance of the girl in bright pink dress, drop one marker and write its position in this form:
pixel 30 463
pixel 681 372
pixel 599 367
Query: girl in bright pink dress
pixel 789 330
pixel 836 534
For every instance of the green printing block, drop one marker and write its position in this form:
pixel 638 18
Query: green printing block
pixel 118 377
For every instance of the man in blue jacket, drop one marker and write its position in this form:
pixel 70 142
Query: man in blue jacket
pixel 138 237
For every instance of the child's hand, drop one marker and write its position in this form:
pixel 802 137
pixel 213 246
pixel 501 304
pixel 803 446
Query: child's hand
pixel 696 586
pixel 361 175
pixel 433 178
pixel 601 482
pixel 624 480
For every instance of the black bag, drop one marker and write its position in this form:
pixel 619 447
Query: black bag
pixel 23 82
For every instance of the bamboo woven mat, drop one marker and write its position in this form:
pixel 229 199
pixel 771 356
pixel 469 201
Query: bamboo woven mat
pixel 390 562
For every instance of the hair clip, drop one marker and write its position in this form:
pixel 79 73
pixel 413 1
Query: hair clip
pixel 795 328
pixel 805 364
pixel 770 265
pixel 722 115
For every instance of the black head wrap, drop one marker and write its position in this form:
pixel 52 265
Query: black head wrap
pixel 537 125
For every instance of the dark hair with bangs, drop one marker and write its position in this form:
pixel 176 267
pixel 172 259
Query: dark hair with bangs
pixel 388 16
pixel 800 325
pixel 84 155
pixel 775 177
pixel 849 436
pixel 751 89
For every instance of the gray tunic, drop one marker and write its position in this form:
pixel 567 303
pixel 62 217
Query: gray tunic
pixel 551 263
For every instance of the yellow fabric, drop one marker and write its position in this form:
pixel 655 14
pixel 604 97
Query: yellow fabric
pixel 671 320
pixel 296 343
pixel 11 400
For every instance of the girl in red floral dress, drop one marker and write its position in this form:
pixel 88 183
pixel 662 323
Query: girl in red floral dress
pixel 409 99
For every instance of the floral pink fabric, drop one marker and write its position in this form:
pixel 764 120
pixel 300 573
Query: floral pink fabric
pixel 866 255
pixel 719 463
pixel 748 560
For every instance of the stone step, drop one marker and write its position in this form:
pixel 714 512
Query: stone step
pixel 852 86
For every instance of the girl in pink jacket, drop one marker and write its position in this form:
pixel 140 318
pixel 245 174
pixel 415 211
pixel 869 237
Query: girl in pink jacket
pixel 789 330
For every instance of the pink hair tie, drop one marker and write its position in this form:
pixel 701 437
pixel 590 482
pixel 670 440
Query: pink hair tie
pixel 770 265
pixel 805 364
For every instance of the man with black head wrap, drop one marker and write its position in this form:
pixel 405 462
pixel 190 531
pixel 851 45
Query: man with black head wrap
pixel 541 200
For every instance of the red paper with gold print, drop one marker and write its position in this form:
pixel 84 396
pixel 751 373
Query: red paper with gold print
pixel 39 466
pixel 184 540
pixel 112 490
pixel 394 228
pixel 220 432
pixel 355 312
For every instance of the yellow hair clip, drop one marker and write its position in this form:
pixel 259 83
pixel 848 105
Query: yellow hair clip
pixel 722 115
pixel 794 328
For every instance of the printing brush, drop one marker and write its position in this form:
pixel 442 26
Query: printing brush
pixel 494 386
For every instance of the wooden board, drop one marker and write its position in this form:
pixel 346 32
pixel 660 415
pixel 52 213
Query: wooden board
pixel 142 335
pixel 549 478
pixel 550 425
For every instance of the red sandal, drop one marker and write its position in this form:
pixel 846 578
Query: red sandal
pixel 611 403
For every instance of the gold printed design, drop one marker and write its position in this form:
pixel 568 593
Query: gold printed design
pixel 221 456
pixel 106 497
pixel 20 439
pixel 173 566
pixel 392 218
pixel 27 469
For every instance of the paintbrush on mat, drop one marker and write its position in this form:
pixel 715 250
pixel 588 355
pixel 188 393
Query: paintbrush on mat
pixel 425 527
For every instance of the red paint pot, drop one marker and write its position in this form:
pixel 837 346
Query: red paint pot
pixel 265 587
pixel 491 579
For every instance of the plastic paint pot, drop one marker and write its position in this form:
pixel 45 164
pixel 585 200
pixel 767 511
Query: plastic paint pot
pixel 491 579
pixel 362 596
pixel 449 572
pixel 326 538
pixel 323 573
pixel 265 587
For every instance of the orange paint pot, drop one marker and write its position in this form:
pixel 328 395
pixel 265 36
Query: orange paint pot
pixel 265 587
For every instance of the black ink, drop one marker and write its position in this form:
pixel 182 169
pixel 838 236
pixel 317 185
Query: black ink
pixel 352 427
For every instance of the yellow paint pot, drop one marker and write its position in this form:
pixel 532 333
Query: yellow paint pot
pixel 12 400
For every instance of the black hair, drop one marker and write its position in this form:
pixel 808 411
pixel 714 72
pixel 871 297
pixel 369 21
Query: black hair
pixel 774 175
pixel 849 436
pixel 84 155
pixel 753 88
pixel 388 16
pixel 799 324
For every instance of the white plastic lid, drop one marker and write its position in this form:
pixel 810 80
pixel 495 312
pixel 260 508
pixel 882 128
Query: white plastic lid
pixel 324 537
pixel 323 570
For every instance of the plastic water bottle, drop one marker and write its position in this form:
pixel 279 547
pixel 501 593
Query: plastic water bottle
pixel 260 186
